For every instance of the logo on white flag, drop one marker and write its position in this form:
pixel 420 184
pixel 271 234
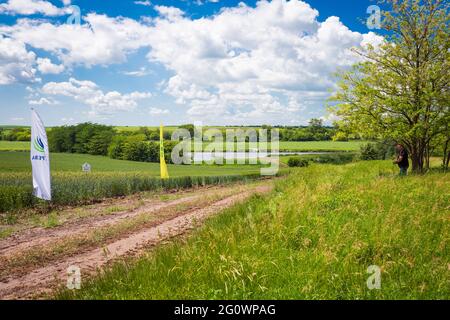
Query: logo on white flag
pixel 39 145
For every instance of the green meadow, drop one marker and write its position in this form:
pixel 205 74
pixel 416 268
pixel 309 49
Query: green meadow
pixel 313 237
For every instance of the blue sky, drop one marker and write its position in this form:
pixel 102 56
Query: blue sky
pixel 146 62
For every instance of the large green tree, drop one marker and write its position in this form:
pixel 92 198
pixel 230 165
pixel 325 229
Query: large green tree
pixel 400 89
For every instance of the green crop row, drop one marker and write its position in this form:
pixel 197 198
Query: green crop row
pixel 79 188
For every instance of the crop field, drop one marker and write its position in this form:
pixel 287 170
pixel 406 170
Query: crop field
pixel 14 145
pixel 316 235
pixel 321 145
pixel 310 146
pixel 63 162
pixel 108 178
pixel 284 145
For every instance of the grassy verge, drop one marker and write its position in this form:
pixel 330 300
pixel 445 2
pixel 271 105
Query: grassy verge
pixel 313 238
pixel 327 158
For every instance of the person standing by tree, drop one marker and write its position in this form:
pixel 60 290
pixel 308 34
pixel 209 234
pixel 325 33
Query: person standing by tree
pixel 402 159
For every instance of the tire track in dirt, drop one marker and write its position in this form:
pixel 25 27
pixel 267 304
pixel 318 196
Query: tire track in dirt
pixel 43 280
pixel 39 236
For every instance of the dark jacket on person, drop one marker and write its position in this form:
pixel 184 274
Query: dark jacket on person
pixel 404 163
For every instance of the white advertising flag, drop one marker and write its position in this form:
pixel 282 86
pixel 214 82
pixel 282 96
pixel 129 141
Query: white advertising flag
pixel 40 160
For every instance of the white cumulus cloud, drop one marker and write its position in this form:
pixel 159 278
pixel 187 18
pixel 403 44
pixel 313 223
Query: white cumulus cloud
pixel 100 41
pixel 87 92
pixel 29 7
pixel 43 101
pixel 170 13
pixel 16 62
pixel 269 63
pixel 46 66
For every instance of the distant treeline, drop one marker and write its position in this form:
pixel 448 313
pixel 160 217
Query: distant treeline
pixel 104 140
pixel 15 134
pixel 143 144
pixel 314 131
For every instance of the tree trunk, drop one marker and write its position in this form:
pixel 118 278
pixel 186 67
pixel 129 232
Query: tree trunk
pixel 427 157
pixel 446 160
pixel 446 157
pixel 417 163
pixel 417 157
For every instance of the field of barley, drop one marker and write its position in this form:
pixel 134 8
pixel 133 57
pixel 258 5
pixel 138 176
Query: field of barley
pixel 108 178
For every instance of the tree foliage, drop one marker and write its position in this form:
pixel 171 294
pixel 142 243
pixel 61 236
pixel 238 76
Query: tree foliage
pixel 83 138
pixel 99 139
pixel 15 134
pixel 400 90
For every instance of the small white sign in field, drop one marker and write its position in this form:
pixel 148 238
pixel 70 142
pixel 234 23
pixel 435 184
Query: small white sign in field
pixel 86 167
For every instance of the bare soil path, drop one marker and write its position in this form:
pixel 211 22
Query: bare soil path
pixel 161 220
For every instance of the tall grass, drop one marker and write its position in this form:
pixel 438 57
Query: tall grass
pixel 313 238
pixel 79 188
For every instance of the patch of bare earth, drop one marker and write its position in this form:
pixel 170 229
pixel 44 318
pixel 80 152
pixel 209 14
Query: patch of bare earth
pixel 33 237
pixel 171 218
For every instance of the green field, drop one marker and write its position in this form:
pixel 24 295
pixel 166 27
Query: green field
pixel 108 178
pixel 314 237
pixel 321 145
pixel 284 145
pixel 14 145
pixel 309 146
pixel 63 162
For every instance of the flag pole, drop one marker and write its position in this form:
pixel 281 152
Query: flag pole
pixel 162 161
